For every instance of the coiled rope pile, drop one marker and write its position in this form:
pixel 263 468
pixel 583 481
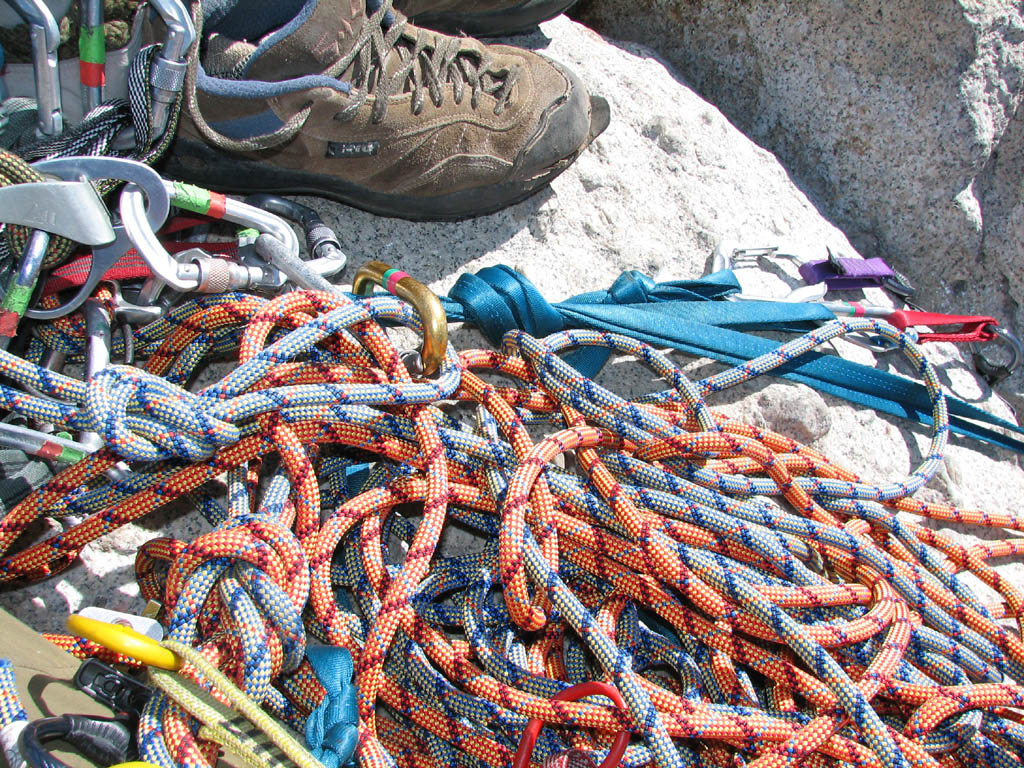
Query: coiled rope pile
pixel 753 602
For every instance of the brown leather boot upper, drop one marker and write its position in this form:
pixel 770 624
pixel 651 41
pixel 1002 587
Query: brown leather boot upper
pixel 383 106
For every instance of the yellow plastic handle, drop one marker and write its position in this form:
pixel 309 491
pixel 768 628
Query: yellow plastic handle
pixel 124 640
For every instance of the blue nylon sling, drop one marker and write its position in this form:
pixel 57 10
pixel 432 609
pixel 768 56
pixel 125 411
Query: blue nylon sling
pixel 691 316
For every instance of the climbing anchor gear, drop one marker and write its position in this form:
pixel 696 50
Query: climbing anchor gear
pixel 71 209
pixel 197 270
pixel 23 283
pixel 42 444
pixel 263 743
pixel 840 273
pixel 92 53
pixel 865 273
pixel 327 257
pixel 105 256
pixel 109 686
pixel 167 72
pixel 995 372
pixel 729 255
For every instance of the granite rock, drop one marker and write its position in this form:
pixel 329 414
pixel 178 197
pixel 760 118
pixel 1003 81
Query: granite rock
pixel 900 119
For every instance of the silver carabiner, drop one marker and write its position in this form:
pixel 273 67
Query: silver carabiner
pixel 195 269
pixel 326 257
pixel 167 74
pixel 45 40
pixel 729 254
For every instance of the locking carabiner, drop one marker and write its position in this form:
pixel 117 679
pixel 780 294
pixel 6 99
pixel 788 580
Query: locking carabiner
pixel 167 74
pixel 195 269
pixel 327 257
pixel 992 372
pixel 402 285
pixel 45 40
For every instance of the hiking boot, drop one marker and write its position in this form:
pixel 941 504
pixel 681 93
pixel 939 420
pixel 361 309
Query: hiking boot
pixel 481 17
pixel 351 102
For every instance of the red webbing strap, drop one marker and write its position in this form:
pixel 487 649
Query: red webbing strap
pixel 131 266
pixel 972 327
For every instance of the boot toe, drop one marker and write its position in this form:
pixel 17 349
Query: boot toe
pixel 563 130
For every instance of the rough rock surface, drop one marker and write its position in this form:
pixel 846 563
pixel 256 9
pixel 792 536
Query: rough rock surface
pixel 899 118
pixel 658 190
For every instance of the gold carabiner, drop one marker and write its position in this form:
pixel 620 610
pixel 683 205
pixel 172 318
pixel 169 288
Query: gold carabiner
pixel 400 284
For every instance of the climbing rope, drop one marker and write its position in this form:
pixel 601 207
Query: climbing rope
pixel 13 717
pixel 752 601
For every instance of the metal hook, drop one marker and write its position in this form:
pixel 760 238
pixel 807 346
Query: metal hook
pixel 327 257
pixel 400 284
pixel 728 253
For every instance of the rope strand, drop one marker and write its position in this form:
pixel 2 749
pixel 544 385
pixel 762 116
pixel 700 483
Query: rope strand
pixel 754 602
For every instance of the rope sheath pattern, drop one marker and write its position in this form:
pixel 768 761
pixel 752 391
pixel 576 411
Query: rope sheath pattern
pixel 753 602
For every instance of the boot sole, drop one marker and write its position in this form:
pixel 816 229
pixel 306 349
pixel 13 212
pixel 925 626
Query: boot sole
pixel 199 163
pixel 508 21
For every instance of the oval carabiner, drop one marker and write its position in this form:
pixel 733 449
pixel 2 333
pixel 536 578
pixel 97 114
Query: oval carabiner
pixel 406 287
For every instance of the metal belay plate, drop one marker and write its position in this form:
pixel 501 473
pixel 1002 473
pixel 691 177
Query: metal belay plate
pixel 72 209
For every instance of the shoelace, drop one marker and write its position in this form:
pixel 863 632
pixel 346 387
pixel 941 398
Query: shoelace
pixel 449 62
pixel 429 61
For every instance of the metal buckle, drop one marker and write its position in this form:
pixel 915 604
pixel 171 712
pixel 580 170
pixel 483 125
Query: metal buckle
pixel 108 686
